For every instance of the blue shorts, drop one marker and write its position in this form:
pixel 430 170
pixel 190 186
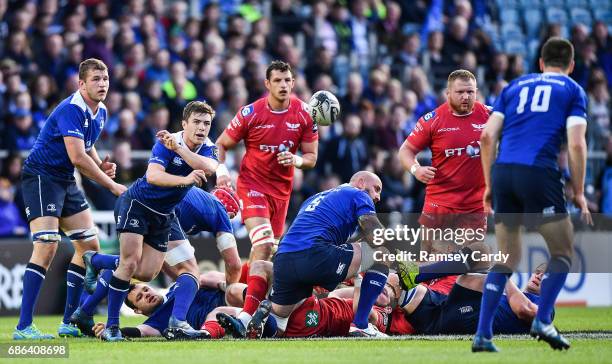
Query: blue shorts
pixel 519 189
pixel 459 315
pixel 51 196
pixel 133 216
pixel 176 232
pixel 296 273
pixel 424 318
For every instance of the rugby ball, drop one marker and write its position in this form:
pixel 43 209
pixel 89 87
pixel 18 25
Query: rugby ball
pixel 324 108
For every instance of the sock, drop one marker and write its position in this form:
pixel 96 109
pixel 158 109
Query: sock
pixel 84 297
pixel 90 304
pixel 257 287
pixel 214 329
pixel 552 283
pixel 493 290
pixel 373 284
pixel 244 273
pixel 74 287
pixel 105 261
pixel 32 281
pixel 118 290
pixel 185 290
pixel 270 327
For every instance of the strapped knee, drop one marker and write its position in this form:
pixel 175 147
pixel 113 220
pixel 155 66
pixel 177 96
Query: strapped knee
pixel 46 237
pixel 180 253
pixel 261 235
pixel 225 241
pixel 82 234
pixel 406 297
pixel 281 322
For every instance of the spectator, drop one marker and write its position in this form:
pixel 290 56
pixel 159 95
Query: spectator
pixel 12 222
pixel 347 153
pixel 21 133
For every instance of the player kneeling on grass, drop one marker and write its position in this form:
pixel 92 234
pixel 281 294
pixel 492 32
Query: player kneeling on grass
pixel 315 252
pixel 198 211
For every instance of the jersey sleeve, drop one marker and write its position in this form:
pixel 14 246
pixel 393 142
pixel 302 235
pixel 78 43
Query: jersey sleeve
pixel 160 155
pixel 70 122
pixel 363 204
pixel 420 137
pixel 578 107
pixel 237 128
pixel 210 151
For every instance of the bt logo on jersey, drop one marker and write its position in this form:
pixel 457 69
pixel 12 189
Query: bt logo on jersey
pixel 472 150
pixel 285 145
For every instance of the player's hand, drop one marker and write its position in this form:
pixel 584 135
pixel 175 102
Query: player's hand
pixel 108 168
pixel 167 140
pixel 285 158
pixel 98 328
pixel 425 173
pixel 487 199
pixel 196 177
pixel 224 181
pixel 118 189
pixel 581 202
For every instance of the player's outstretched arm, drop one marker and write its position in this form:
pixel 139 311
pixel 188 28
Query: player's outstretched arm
pixel 157 176
pixel 224 143
pixel 75 147
pixel 577 153
pixel 194 160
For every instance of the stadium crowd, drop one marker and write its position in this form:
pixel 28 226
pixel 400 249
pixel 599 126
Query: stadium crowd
pixel 387 61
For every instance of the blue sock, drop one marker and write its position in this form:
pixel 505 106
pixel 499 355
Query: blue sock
pixel 84 297
pixel 118 290
pixel 74 287
pixel 270 327
pixel 32 281
pixel 493 290
pixel 90 304
pixel 373 284
pixel 185 290
pixel 553 281
pixel 105 261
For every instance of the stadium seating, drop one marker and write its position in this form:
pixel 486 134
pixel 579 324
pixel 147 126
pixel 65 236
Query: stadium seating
pixel 581 16
pixel 556 16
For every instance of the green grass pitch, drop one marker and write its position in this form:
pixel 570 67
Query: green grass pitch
pixel 590 330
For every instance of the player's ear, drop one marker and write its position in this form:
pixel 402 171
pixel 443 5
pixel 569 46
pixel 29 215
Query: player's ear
pixel 184 123
pixel 571 67
pixel 541 62
pixel 267 84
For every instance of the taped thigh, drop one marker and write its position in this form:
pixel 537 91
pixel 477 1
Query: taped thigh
pixel 82 235
pixel 261 234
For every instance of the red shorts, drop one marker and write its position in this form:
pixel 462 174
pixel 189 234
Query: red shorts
pixel 257 204
pixel 442 285
pixel 436 216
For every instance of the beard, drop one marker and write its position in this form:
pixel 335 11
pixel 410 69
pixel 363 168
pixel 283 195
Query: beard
pixel 461 108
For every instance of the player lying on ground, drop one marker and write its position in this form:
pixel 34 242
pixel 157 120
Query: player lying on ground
pixel 52 199
pixel 198 211
pixel 158 307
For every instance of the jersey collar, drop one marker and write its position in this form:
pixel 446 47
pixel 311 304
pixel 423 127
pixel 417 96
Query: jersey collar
pixel 181 141
pixel 78 100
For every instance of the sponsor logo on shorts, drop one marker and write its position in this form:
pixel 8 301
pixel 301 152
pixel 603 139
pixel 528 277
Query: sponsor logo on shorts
pixel 51 207
pixel 548 211
pixel 256 207
pixel 118 219
pixel 134 223
pixel 253 193
pixel 340 268
pixel 466 309
pixel 311 319
pixel 27 210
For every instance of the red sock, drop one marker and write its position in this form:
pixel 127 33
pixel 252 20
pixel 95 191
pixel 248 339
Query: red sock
pixel 244 273
pixel 257 287
pixel 215 330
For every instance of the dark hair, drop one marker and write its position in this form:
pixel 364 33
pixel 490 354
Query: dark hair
pixel 128 302
pixel 90 64
pixel 464 75
pixel 197 107
pixel 278 66
pixel 557 52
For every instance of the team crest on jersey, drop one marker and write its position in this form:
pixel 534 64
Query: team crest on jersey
pixel 86 123
pixel 177 161
pixel 429 115
pixel 292 127
pixel 102 123
pixel 311 319
pixel 215 152
pixel 247 110
pixel 478 126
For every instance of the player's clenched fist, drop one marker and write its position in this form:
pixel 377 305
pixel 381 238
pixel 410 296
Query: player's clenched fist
pixel 167 139
pixel 109 168
pixel 425 173
pixel 285 158
pixel 196 177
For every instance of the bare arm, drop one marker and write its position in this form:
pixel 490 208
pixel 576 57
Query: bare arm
pixel 146 330
pixel 522 307
pixel 194 160
pixel 93 153
pixel 488 152
pixel 577 154
pixel 212 279
pixel 224 143
pixel 368 223
pixel 157 176
pixel 87 165
pixel 407 156
pixel 310 153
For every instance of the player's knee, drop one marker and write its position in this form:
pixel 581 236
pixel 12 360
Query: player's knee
pixel 82 235
pixel 50 236
pixel 258 267
pixel 128 264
